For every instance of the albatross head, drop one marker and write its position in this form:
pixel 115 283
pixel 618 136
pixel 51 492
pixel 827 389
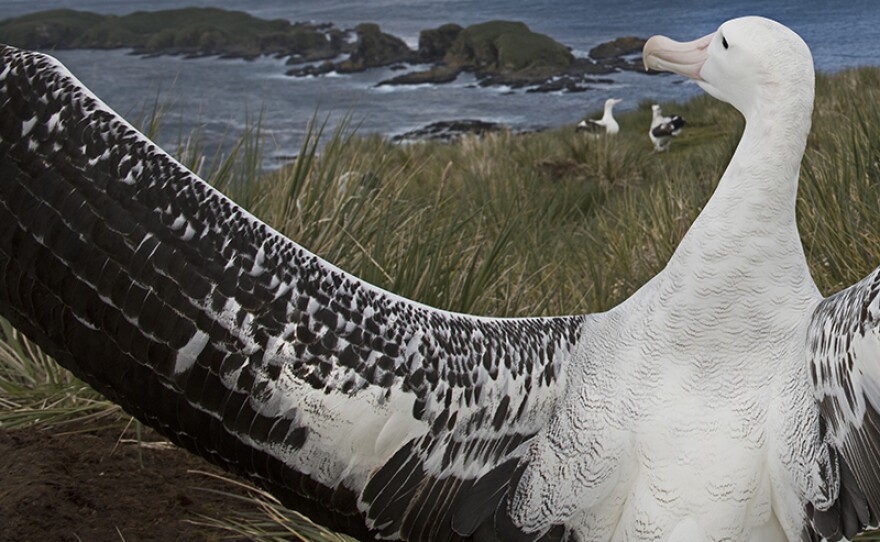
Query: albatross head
pixel 609 105
pixel 746 62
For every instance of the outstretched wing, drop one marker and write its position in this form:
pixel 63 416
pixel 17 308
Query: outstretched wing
pixel 373 414
pixel 844 362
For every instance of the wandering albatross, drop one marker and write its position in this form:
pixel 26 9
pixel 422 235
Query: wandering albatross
pixel 663 129
pixel 725 400
pixel 606 125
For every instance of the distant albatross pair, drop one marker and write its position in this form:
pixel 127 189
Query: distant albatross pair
pixel 725 400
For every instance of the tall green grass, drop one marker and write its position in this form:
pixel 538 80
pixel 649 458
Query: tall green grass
pixel 516 225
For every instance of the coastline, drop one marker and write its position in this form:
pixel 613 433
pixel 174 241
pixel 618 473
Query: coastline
pixel 220 99
pixel 500 53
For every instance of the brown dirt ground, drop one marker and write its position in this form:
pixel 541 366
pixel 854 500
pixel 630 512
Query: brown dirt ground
pixel 86 486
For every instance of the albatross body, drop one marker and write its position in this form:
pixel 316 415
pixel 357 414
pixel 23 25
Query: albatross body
pixel 605 125
pixel 701 373
pixel 725 400
pixel 663 129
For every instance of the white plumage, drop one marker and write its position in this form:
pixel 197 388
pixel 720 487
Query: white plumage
pixel 663 129
pixel 725 400
pixel 605 125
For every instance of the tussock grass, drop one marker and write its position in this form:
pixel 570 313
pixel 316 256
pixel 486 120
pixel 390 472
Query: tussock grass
pixel 36 390
pixel 269 521
pixel 516 225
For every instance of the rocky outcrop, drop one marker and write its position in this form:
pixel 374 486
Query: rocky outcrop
pixel 187 31
pixel 620 54
pixel 436 76
pixel 374 49
pixel 505 53
pixel 499 53
pixel 569 83
pixel 435 42
pixel 505 47
pixel 448 130
pixel 628 45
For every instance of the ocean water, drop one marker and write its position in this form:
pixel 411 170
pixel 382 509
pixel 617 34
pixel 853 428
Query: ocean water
pixel 220 97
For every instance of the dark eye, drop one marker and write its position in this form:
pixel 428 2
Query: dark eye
pixel 724 42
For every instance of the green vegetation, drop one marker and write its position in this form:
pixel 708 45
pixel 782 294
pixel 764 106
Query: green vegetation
pixel 434 42
pixel 505 46
pixel 516 225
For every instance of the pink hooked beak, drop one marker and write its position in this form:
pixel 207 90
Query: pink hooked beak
pixel 664 54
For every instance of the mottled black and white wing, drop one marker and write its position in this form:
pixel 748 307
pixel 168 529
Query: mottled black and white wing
pixel 373 414
pixel 671 126
pixel 590 126
pixel 844 362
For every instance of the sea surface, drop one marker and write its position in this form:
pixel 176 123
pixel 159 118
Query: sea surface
pixel 221 97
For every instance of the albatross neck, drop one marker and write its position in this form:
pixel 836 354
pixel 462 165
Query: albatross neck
pixel 758 191
pixel 749 227
pixel 607 115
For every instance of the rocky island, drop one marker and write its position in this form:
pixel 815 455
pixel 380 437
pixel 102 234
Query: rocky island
pixel 187 31
pixel 496 52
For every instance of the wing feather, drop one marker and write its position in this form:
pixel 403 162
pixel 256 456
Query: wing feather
pixel 671 126
pixel 844 361
pixel 371 413
pixel 591 126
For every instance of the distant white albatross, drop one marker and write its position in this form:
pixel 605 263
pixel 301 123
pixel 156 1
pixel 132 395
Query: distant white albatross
pixel 606 125
pixel 725 400
pixel 663 129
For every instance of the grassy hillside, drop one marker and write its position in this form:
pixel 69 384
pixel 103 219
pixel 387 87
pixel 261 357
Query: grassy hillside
pixel 557 222
pixel 507 225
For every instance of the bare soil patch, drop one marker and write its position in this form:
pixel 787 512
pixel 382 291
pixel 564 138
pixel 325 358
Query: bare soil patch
pixel 88 486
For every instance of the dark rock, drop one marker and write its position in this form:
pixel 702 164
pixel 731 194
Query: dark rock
pixel 561 84
pixel 435 42
pixel 629 45
pixel 448 130
pixel 498 52
pixel 374 49
pixel 438 75
pixel 506 47
pixel 312 70
pixel 582 66
pixel 627 64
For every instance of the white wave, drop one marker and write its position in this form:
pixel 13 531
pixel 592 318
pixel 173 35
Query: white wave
pixel 390 89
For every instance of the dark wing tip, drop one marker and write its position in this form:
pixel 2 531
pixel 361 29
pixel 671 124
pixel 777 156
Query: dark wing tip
pixel 590 126
pixel 483 499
